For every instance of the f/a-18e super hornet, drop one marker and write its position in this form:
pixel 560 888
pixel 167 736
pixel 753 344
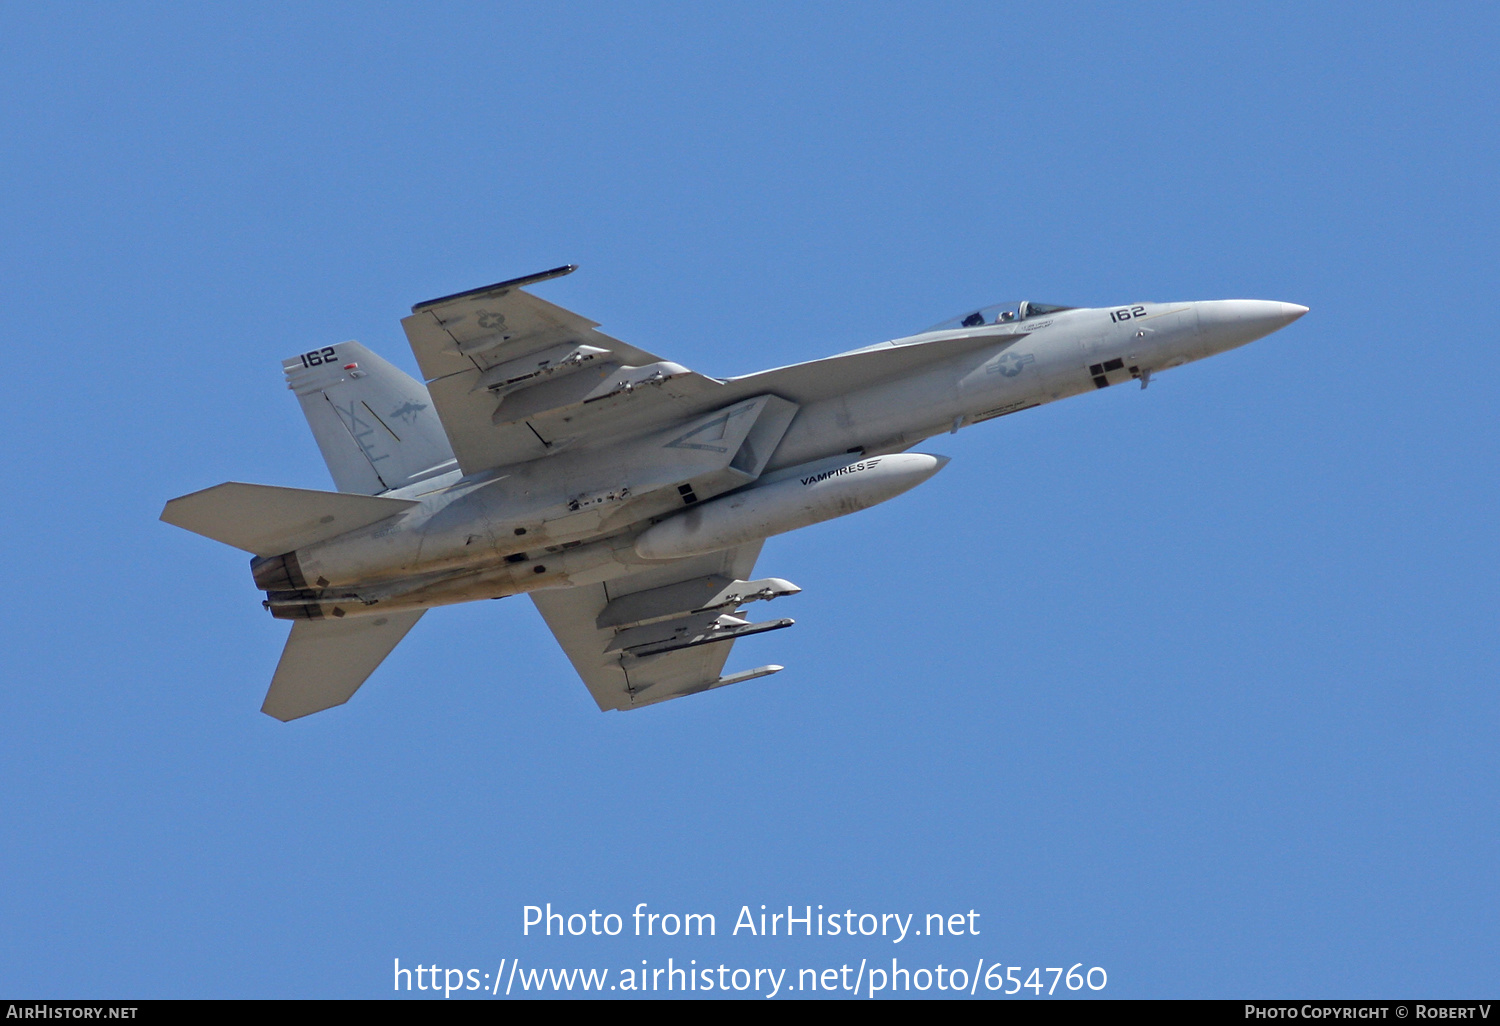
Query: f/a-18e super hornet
pixel 626 494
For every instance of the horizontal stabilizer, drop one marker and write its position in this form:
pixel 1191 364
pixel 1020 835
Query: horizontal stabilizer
pixel 268 520
pixel 325 661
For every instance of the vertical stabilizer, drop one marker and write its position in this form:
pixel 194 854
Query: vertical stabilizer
pixel 374 423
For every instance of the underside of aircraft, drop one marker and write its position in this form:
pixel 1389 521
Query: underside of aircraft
pixel 626 494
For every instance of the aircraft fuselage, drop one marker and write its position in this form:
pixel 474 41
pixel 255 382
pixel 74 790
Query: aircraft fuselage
pixel 588 515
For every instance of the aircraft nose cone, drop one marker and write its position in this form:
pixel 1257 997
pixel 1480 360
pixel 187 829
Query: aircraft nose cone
pixel 1227 323
pixel 911 468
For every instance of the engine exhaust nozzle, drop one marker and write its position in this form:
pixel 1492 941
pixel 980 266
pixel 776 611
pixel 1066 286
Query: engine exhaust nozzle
pixel 278 573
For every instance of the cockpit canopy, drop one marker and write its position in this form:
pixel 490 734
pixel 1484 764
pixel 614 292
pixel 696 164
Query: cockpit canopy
pixel 998 313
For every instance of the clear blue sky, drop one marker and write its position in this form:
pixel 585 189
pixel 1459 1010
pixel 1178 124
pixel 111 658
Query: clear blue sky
pixel 1196 684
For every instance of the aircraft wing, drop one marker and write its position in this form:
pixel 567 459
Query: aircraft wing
pixel 664 632
pixel 514 377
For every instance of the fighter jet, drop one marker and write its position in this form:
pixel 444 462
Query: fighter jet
pixel 626 494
